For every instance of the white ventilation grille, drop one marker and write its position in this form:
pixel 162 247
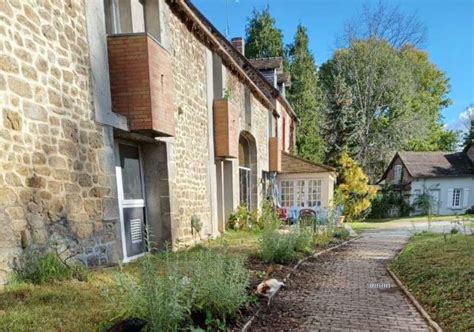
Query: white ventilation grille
pixel 136 230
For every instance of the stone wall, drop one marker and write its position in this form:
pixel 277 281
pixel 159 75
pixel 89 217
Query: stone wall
pixel 191 148
pixel 57 180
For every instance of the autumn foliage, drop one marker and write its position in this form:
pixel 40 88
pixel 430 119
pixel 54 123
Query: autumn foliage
pixel 354 190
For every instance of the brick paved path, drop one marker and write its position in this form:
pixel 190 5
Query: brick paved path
pixel 336 292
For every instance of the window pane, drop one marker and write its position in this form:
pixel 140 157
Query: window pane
pixel 131 176
pixel 287 193
pixel 244 186
pixel 300 194
pixel 456 197
pixel 314 193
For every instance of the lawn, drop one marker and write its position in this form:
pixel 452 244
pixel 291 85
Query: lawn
pixel 84 306
pixel 387 223
pixel 439 270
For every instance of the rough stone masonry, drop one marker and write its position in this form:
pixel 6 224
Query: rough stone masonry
pixel 57 181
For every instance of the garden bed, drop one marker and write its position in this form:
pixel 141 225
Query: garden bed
pixel 438 269
pixel 72 305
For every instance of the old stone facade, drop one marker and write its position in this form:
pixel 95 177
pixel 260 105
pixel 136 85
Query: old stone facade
pixel 56 183
pixel 96 147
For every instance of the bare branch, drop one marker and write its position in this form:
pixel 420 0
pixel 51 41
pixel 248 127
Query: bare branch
pixel 387 23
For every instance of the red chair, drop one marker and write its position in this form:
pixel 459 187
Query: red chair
pixel 282 214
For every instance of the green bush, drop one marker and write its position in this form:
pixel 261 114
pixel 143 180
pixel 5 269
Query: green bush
pixel 164 300
pixel 304 241
pixel 282 247
pixel 190 284
pixel 341 233
pixel 219 286
pixel 277 247
pixel 387 199
pixel 38 268
pixel 243 218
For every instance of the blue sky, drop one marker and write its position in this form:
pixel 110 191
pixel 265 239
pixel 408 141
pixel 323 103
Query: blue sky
pixel 450 32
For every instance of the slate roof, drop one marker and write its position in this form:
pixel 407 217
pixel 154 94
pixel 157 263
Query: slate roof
pixel 267 63
pixel 294 164
pixel 436 164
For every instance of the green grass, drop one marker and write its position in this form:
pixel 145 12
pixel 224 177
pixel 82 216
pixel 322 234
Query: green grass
pixel 387 223
pixel 72 305
pixel 439 271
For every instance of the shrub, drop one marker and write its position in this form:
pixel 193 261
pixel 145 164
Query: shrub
pixel 161 299
pixel 278 247
pixel 39 268
pixel 304 239
pixel 388 199
pixel 242 218
pixel 281 247
pixel 201 283
pixel 219 285
pixel 354 189
pixel 341 233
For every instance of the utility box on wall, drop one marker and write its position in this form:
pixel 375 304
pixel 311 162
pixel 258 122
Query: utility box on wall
pixel 225 129
pixel 274 149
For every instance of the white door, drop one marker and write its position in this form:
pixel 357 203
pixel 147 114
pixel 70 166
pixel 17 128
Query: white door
pixel 131 197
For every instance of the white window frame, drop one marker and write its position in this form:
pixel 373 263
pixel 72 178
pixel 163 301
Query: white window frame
pixel 292 189
pixel 456 202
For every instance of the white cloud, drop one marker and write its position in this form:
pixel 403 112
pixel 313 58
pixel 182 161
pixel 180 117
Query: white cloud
pixel 463 122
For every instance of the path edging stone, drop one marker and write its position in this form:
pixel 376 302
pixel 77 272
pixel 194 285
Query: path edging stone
pixel 415 302
pixel 319 253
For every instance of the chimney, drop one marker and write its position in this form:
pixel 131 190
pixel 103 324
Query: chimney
pixel 239 44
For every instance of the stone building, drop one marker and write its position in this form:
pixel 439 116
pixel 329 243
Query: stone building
pixel 121 116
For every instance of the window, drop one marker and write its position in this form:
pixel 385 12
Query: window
pixel 300 193
pixel 287 193
pixel 314 193
pixel 456 202
pixel 248 107
pixel 397 173
pixel 133 16
pixel 124 16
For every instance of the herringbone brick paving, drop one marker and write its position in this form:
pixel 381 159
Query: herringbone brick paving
pixel 338 292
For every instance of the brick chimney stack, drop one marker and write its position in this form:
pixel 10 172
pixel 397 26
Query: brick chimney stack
pixel 239 44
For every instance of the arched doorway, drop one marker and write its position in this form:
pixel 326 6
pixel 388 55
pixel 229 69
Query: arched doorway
pixel 248 170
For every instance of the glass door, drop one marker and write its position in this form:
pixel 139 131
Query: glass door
pixel 131 200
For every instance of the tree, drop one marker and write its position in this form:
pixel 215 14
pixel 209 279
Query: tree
pixel 381 87
pixel 385 22
pixel 430 97
pixel 304 95
pixel 354 188
pixel 467 117
pixel 397 98
pixel 339 129
pixel 263 39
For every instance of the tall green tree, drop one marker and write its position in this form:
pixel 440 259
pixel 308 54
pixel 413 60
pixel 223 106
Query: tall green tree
pixel 263 39
pixel 339 129
pixel 305 97
pixel 380 85
pixel 430 97
pixel 397 98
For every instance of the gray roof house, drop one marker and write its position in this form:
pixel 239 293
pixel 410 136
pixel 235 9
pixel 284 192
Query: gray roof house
pixel 446 176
